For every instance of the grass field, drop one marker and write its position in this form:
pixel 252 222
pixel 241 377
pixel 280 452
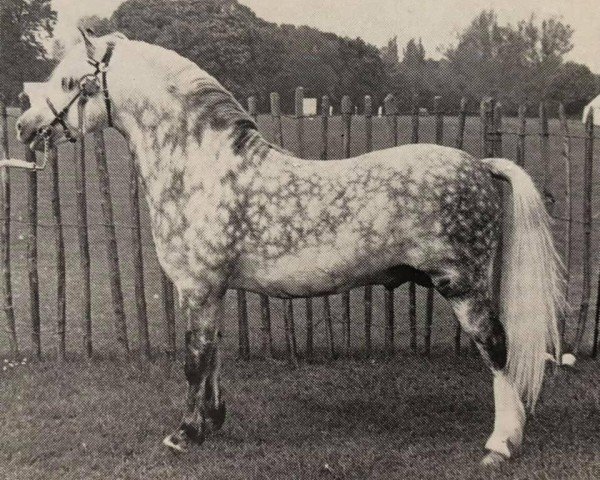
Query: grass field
pixel 406 418
pixel 409 417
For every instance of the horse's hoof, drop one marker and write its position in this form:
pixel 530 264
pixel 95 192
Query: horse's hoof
pixel 493 459
pixel 177 442
pixel 216 417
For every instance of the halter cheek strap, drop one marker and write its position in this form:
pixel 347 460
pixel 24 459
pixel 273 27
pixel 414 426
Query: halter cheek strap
pixel 99 77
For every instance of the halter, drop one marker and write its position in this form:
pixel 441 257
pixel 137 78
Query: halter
pixel 88 85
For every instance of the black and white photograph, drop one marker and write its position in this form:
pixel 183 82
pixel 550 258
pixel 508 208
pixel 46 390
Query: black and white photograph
pixel 284 239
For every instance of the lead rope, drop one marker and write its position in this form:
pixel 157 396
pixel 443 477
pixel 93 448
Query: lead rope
pixel 32 166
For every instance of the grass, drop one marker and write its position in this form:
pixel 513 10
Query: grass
pixel 409 417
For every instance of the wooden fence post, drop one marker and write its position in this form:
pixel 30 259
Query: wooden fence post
pixel 111 242
pixel 82 230
pixel 522 135
pixel 587 229
pixel 290 340
pixel 368 289
pixel 32 250
pixel 415 119
pixel 5 236
pixel 462 120
pixel 566 154
pixel 498 130
pixel 439 139
pixel 243 331
pixel 391 111
pixel 545 156
pixel 265 308
pixel 61 273
pixel 168 297
pixel 138 261
pixel 299 113
pixel 459 142
pixel 346 109
pixel 242 301
pixel 412 287
pixel 487 125
pixel 276 116
pixel 325 104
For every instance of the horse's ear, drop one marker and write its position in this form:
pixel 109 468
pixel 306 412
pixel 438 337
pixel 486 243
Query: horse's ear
pixel 89 46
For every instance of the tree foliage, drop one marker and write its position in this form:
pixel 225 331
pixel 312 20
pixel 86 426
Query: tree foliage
pixel 251 56
pixel 24 26
pixel 522 63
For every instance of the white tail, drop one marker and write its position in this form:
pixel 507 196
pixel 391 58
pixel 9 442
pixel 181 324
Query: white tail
pixel 532 290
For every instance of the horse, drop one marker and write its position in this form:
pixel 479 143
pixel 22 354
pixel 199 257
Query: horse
pixel 230 210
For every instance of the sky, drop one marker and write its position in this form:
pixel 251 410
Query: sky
pixel 437 22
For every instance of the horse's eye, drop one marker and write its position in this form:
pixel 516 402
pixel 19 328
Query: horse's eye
pixel 68 84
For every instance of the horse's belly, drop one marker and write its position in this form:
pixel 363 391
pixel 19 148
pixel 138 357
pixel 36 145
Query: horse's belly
pixel 317 271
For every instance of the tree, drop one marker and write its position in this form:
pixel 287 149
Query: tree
pixel 515 63
pixel 389 53
pixel 24 25
pixel 251 56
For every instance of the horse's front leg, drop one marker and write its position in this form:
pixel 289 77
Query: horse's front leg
pixel 204 408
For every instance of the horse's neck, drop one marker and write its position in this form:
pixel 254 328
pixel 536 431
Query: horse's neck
pixel 168 153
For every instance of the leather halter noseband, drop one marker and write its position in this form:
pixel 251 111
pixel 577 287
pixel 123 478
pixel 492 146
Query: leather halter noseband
pixel 88 85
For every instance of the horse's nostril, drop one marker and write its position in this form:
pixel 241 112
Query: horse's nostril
pixel 19 126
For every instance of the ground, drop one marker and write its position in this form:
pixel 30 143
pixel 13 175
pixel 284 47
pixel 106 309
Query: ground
pixel 407 418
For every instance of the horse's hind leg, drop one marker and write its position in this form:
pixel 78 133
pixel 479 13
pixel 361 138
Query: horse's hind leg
pixel 479 320
pixel 204 409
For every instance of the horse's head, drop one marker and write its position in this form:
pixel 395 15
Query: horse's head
pixel 80 79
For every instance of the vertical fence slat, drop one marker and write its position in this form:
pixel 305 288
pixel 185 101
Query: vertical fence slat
pixel 439 139
pixel 412 287
pixel 242 301
pixel 462 120
pixel 545 157
pixel 61 273
pixel 498 130
pixel 5 236
pixel 391 111
pixel 299 113
pixel 368 298
pixel 84 245
pixel 587 229
pixel 290 342
pixel 276 116
pixel 265 308
pixel 521 135
pixel 112 253
pixel 32 250
pixel 346 110
pixel 138 261
pixel 566 154
pixel 243 330
pixel 415 120
pixel 459 142
pixel 168 301
pixel 487 121
pixel 327 318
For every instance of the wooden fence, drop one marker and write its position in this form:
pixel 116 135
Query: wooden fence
pixel 492 139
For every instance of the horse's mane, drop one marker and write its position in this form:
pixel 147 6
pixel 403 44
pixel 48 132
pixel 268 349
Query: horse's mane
pixel 202 94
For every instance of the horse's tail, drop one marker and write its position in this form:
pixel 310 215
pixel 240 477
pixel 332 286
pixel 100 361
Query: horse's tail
pixel 532 283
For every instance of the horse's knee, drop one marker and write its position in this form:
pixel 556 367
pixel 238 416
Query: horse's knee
pixel 200 352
